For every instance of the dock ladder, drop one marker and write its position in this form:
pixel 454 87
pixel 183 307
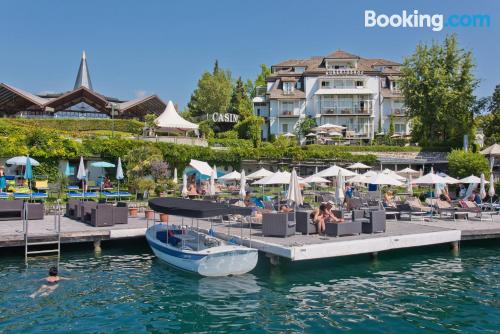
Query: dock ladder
pixel 35 244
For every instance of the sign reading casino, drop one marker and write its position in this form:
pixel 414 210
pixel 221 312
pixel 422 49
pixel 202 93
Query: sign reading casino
pixel 223 117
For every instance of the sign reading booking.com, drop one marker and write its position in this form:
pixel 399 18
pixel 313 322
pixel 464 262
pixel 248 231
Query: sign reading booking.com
pixel 414 19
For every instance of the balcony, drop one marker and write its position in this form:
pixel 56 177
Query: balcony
pixel 399 112
pixel 289 113
pixel 364 111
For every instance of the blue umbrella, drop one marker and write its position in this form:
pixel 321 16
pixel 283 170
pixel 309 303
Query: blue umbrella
pixel 28 170
pixel 102 164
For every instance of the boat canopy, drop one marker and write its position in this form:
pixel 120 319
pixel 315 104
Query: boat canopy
pixel 195 209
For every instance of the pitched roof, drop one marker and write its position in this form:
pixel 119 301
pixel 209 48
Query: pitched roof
pixel 340 54
pixel 276 92
pixel 13 91
pixel 83 77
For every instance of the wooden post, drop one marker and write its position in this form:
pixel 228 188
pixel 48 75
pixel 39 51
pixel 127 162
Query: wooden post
pixel 97 246
pixel 455 247
pixel 274 260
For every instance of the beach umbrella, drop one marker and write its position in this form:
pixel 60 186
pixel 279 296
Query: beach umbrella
pixel 315 179
pixel 358 165
pixel 28 171
pixel 393 174
pixel 67 170
pixel 233 176
pixel 310 134
pixel 119 175
pixel 21 161
pixel 201 166
pixel 333 171
pixel 491 190
pixel 482 188
pixel 409 186
pixel 289 135
pixel 294 194
pixel 449 179
pixel 243 184
pixel 184 191
pixel 328 126
pixel 383 179
pixel 334 134
pixel 277 178
pixel 471 179
pixel 211 186
pixel 339 191
pixel 492 150
pixel 259 174
pixel 430 178
pixel 358 179
pixel 82 174
pixel 175 176
pixel 102 164
pixel 408 171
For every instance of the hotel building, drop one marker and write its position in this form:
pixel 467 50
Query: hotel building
pixel 339 88
pixel 81 102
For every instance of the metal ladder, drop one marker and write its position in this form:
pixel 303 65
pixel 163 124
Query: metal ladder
pixel 56 236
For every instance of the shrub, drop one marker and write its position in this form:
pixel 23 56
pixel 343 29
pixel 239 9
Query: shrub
pixel 462 164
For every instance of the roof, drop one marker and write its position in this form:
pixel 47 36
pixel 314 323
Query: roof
pixel 170 120
pixel 276 92
pixel 8 91
pixel 340 54
pixel 83 76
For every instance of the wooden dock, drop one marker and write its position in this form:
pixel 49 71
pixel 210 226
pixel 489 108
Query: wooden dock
pixel 400 234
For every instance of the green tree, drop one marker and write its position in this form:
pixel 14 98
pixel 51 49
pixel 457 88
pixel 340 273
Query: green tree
pixel 438 87
pixel 490 120
pixel 304 126
pixel 212 95
pixel 261 78
pixel 391 130
pixel 251 128
pixel 240 103
pixel 462 164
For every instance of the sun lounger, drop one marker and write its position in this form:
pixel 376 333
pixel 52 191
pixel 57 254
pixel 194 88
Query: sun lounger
pixel 73 188
pixel 4 195
pixel 21 196
pixel 39 196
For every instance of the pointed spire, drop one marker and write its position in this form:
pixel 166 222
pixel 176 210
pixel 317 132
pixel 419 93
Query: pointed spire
pixel 83 77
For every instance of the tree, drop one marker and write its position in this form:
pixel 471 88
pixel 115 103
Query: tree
pixel 240 103
pixel 251 128
pixel 261 78
pixel 490 120
pixel 438 87
pixel 462 164
pixel 304 126
pixel 390 131
pixel 212 94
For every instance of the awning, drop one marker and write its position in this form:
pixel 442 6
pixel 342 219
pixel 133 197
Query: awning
pixel 195 209
pixel 344 91
pixel 201 166
pixel 170 120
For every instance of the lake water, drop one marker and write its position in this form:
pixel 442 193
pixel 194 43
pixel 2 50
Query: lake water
pixel 126 289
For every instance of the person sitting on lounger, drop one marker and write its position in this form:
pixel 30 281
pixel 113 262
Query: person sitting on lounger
pixel 106 184
pixel 388 200
pixel 284 208
pixel 332 217
pixel 445 196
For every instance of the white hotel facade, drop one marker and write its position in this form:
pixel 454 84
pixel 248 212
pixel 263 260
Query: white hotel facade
pixel 340 88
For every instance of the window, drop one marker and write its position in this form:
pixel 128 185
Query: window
pixel 287 106
pixel 299 84
pixel 284 128
pixel 360 83
pixel 287 87
pixel 326 84
pixel 299 69
pixel 399 128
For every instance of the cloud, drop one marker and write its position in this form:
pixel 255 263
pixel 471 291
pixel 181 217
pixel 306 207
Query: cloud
pixel 140 93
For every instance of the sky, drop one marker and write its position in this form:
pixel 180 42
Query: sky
pixel 136 48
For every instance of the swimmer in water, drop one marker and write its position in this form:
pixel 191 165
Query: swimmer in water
pixel 52 283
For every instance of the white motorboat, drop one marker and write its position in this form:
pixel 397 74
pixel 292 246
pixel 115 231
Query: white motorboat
pixel 195 251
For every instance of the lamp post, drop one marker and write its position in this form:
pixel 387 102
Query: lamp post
pixel 112 106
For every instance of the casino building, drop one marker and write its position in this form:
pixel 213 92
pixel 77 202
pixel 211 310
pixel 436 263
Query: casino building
pixel 81 102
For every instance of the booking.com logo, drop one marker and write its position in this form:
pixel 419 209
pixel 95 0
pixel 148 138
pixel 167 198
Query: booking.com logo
pixel 416 20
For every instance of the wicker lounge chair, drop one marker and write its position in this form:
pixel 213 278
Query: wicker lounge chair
pixel 376 222
pixel 305 224
pixel 101 215
pixel 120 213
pixel 278 224
pixel 340 229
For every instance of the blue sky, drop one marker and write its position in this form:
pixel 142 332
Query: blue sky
pixel 144 47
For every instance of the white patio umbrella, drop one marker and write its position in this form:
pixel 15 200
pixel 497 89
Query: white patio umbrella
pixel 201 166
pixel 82 174
pixel 432 179
pixel 259 174
pixel 315 179
pixel 334 134
pixel 21 161
pixel 333 171
pixel 339 191
pixel 358 165
pixel 471 179
pixel 294 194
pixel 383 179
pixel 482 188
pixel 408 171
pixel 119 175
pixel 243 184
pixel 211 186
pixel 449 179
pixel 233 176
pixel 289 135
pixel 491 190
pixel 184 191
pixel 328 127
pixel 175 176
pixel 394 175
pixel 310 134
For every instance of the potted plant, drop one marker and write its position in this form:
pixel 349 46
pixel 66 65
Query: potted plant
pixel 164 217
pixel 149 214
pixel 132 212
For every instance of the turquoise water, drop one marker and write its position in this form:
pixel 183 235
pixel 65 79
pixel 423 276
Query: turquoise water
pixel 127 289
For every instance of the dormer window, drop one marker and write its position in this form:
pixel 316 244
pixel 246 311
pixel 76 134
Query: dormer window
pixel 299 69
pixel 288 87
pixel 299 85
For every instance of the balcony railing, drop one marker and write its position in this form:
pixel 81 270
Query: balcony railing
pixel 346 111
pixel 399 112
pixel 260 91
pixel 289 113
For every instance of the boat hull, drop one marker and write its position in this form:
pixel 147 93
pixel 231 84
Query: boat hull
pixel 216 261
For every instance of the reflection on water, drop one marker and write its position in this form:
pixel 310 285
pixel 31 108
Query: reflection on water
pixel 129 290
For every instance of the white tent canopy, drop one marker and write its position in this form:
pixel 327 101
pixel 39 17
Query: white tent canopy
pixel 201 166
pixel 333 171
pixel 170 121
pixel 358 165
pixel 233 176
pixel 259 174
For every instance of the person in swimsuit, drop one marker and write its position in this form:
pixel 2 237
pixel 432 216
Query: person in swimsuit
pixel 51 283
